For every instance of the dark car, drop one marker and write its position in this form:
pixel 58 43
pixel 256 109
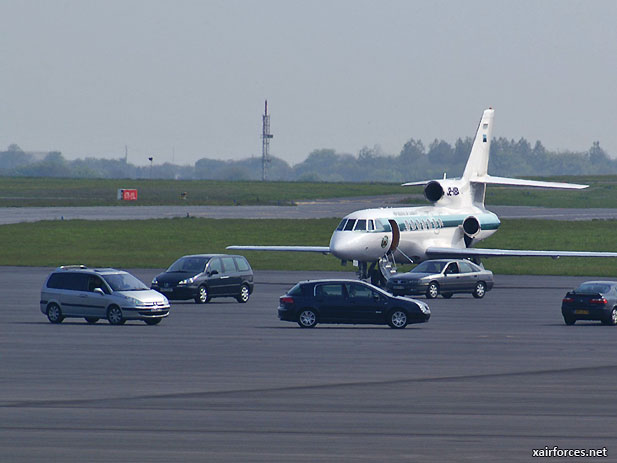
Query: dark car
pixel 592 300
pixel 443 276
pixel 348 301
pixel 204 276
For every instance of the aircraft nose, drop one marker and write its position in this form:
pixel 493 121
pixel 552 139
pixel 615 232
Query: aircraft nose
pixel 340 247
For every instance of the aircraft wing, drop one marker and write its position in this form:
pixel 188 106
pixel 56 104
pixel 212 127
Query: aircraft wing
pixel 321 249
pixel 477 252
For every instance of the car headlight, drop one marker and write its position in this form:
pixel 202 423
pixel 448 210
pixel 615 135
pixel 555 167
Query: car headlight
pixel 155 281
pixel 188 281
pixel 424 308
pixel 134 301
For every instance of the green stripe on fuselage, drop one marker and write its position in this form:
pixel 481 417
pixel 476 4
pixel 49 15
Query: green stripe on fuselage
pixel 487 221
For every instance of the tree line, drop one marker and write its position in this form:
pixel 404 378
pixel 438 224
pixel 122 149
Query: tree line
pixel 509 158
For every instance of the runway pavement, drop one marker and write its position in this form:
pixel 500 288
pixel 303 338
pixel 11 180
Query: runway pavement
pixel 305 210
pixel 483 380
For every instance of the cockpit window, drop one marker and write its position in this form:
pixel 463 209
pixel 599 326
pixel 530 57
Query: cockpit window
pixel 350 224
pixel 371 225
pixel 360 225
pixel 341 225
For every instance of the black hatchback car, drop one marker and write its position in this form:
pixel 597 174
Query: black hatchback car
pixel 348 301
pixel 592 300
pixel 204 276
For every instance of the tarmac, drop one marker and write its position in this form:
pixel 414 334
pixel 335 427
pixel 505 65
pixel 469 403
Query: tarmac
pixel 483 380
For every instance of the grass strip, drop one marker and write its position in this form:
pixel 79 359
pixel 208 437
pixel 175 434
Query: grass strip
pixel 157 243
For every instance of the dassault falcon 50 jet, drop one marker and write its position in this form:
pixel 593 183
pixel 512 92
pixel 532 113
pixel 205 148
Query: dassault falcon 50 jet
pixel 449 228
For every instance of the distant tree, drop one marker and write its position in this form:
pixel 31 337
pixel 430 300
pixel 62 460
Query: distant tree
pixel 412 151
pixel 13 148
pixel 597 155
pixel 441 153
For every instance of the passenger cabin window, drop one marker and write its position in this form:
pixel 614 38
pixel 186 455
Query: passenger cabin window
pixel 215 264
pixel 350 224
pixel 401 226
pixel 329 290
pixel 228 264
pixel 360 225
pixel 371 225
pixel 451 269
pixel 242 264
pixel 357 291
pixel 95 282
pixel 341 225
pixel 72 281
pixel 466 267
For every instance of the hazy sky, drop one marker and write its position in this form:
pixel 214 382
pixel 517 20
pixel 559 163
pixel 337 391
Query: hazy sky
pixel 88 77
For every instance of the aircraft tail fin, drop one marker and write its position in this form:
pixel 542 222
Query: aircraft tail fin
pixel 477 164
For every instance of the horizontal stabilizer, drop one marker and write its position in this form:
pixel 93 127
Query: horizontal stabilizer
pixel 490 180
pixel 321 249
pixel 476 252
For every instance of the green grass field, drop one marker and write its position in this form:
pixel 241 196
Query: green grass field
pixel 157 243
pixel 23 192
pixel 42 192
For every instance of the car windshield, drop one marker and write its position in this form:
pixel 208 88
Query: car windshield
pixel 602 288
pixel 189 264
pixel 124 282
pixel 429 267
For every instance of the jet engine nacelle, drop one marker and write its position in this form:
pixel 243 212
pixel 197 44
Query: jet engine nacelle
pixel 471 226
pixel 447 192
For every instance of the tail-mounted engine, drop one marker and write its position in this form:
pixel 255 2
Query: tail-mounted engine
pixel 447 192
pixel 471 229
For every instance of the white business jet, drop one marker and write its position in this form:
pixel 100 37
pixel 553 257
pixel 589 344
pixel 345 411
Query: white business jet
pixel 448 228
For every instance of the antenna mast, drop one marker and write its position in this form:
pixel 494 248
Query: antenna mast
pixel 266 136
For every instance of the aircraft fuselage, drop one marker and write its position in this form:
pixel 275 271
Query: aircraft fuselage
pixel 369 234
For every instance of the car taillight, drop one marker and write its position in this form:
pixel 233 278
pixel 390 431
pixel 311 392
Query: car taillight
pixel 287 300
pixel 599 301
pixel 567 299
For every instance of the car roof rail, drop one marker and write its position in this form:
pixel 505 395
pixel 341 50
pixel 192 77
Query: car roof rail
pixel 72 267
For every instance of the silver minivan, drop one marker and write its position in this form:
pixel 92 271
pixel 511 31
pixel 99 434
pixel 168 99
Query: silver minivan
pixel 78 291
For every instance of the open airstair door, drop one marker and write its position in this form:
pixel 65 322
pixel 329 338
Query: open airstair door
pixel 396 236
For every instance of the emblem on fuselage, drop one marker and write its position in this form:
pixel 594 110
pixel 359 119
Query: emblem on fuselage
pixel 384 242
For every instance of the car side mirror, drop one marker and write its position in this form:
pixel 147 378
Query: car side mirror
pixel 214 272
pixel 99 291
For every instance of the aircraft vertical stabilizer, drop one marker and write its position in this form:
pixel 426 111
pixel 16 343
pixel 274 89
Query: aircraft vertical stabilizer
pixel 477 164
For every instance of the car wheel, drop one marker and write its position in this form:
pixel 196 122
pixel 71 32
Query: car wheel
pixel 115 316
pixel 569 320
pixel 480 290
pixel 153 321
pixel 54 313
pixel 446 295
pixel 397 319
pixel 244 294
pixel 203 296
pixel 307 318
pixel 612 318
pixel 433 290
pixel 91 320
